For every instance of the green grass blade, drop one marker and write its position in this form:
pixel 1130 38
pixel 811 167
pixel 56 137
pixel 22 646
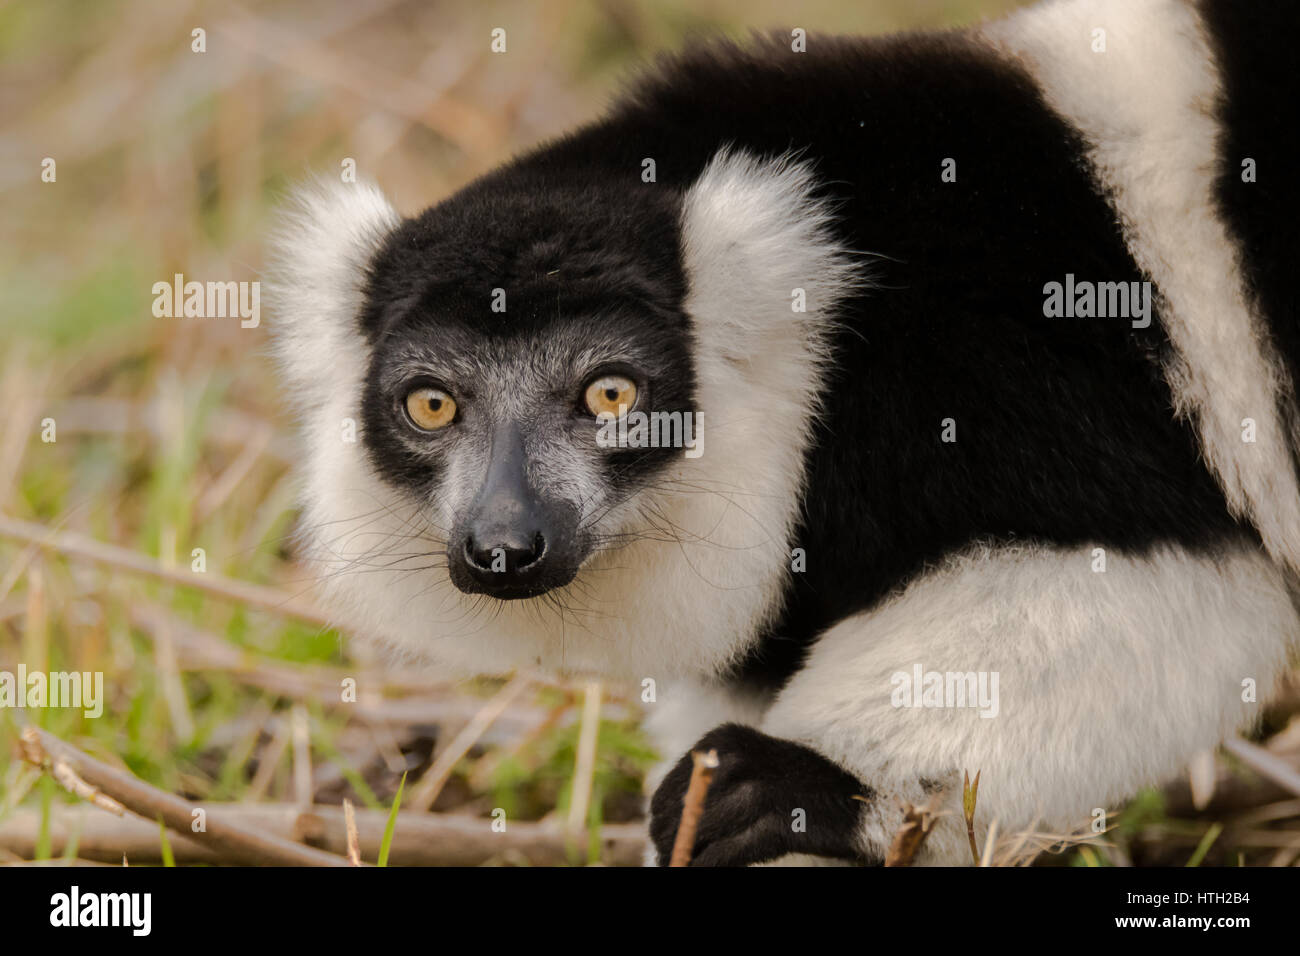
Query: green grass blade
pixel 1203 847
pixel 391 825
pixel 74 842
pixel 167 858
pixel 44 842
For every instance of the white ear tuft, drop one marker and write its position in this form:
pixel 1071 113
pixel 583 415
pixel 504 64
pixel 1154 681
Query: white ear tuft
pixel 322 243
pixel 765 268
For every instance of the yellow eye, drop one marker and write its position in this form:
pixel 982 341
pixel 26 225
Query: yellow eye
pixel 610 395
pixel 430 408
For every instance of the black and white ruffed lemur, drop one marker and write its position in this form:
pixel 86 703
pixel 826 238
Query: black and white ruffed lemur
pixel 986 343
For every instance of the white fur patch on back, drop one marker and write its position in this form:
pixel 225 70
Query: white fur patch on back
pixel 690 589
pixel 1144 106
pixel 1107 681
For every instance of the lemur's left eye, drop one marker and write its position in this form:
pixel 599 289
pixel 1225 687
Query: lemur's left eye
pixel 430 408
pixel 610 395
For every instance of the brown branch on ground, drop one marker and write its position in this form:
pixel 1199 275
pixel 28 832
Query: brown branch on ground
pixel 419 700
pixel 693 806
pixel 232 840
pixel 201 650
pixel 74 545
pixel 420 839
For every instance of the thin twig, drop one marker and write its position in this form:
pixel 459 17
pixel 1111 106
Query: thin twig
pixel 76 545
pixel 425 793
pixel 268 762
pixel 703 765
pixel 232 841
pixel 252 449
pixel 300 732
pixel 584 766
pixel 65 775
pixel 1265 764
pixel 990 844
pixel 354 838
pixel 917 824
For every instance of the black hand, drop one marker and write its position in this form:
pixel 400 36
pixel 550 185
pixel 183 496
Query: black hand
pixel 749 814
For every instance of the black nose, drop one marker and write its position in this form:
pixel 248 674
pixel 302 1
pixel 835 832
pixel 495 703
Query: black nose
pixel 505 562
pixel 509 557
pixel 512 543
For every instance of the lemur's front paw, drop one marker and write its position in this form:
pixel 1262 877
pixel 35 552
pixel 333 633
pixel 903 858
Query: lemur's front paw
pixel 769 797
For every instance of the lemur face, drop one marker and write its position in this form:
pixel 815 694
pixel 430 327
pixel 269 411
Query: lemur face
pixel 500 354
pixel 463 502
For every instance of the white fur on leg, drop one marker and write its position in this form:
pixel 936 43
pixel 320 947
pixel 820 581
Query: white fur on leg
pixel 1107 682
pixel 685 711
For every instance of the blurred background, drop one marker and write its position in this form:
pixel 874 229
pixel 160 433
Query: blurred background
pixel 223 686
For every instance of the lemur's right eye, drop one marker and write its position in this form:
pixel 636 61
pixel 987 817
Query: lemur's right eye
pixel 610 395
pixel 430 408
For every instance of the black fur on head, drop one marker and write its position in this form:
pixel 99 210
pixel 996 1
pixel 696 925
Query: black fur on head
pixel 511 297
